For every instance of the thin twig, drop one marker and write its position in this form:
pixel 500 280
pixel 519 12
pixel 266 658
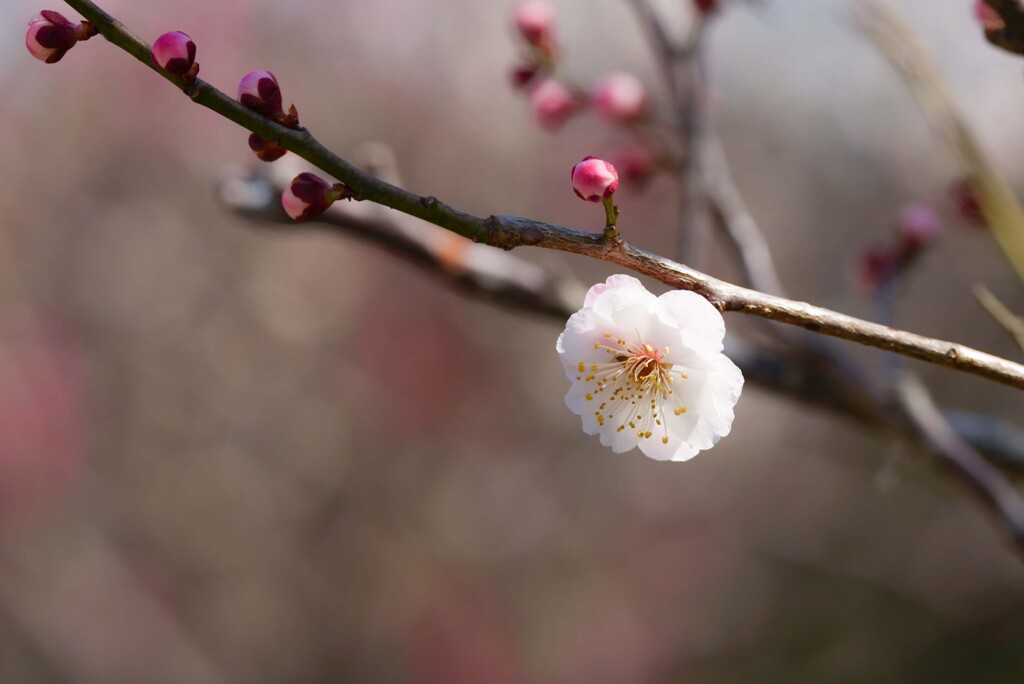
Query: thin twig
pixel 736 223
pixel 972 466
pixel 694 224
pixel 712 177
pixel 508 232
pixel 1010 321
pixel 681 71
pixel 907 53
pixel 665 50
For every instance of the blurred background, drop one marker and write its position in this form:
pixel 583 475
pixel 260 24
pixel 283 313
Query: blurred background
pixel 230 454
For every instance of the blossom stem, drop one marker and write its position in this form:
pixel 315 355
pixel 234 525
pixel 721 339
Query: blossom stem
pixel 508 232
pixel 611 219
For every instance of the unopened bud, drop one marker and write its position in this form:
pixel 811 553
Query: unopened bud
pixel 635 164
pixel 918 226
pixel 175 53
pixel 522 75
pixel 620 98
pixel 266 150
pixel 535 21
pixel 309 195
pixel 552 103
pixel 874 267
pixel 259 91
pixel 986 16
pixel 967 205
pixel 706 6
pixel 594 180
pixel 50 35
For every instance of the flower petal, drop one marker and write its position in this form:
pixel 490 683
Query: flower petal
pixel 702 324
pixel 613 282
pixel 675 449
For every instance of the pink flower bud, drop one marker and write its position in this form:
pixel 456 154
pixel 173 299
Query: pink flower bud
pixel 266 150
pixel 635 165
pixel 259 91
pixel 594 180
pixel 553 104
pixel 175 53
pixel 918 226
pixel 620 98
pixel 535 21
pixel 50 36
pixel 986 16
pixel 309 195
pixel 523 75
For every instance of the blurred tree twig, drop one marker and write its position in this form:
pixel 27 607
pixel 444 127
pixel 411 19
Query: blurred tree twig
pixel 972 466
pixel 906 52
pixel 1010 321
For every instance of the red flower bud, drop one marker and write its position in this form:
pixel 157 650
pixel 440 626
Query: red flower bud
pixel 706 6
pixel 535 21
pixel 309 195
pixel 967 205
pixel 875 266
pixel 266 150
pixel 50 36
pixel 259 91
pixel 594 180
pixel 175 53
pixel 522 75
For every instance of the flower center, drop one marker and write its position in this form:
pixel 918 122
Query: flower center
pixel 637 384
pixel 644 363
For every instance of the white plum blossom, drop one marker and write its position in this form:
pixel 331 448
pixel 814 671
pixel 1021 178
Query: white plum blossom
pixel 649 371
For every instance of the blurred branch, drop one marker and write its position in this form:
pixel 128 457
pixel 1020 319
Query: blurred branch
pixel 907 53
pixel 34 591
pixel 711 177
pixel 681 70
pixel 694 226
pixel 475 270
pixel 936 431
pixel 735 221
pixel 508 232
pixel 1010 321
pixel 665 51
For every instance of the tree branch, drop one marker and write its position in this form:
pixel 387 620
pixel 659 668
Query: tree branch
pixel 812 376
pixel 512 231
pixel 475 270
